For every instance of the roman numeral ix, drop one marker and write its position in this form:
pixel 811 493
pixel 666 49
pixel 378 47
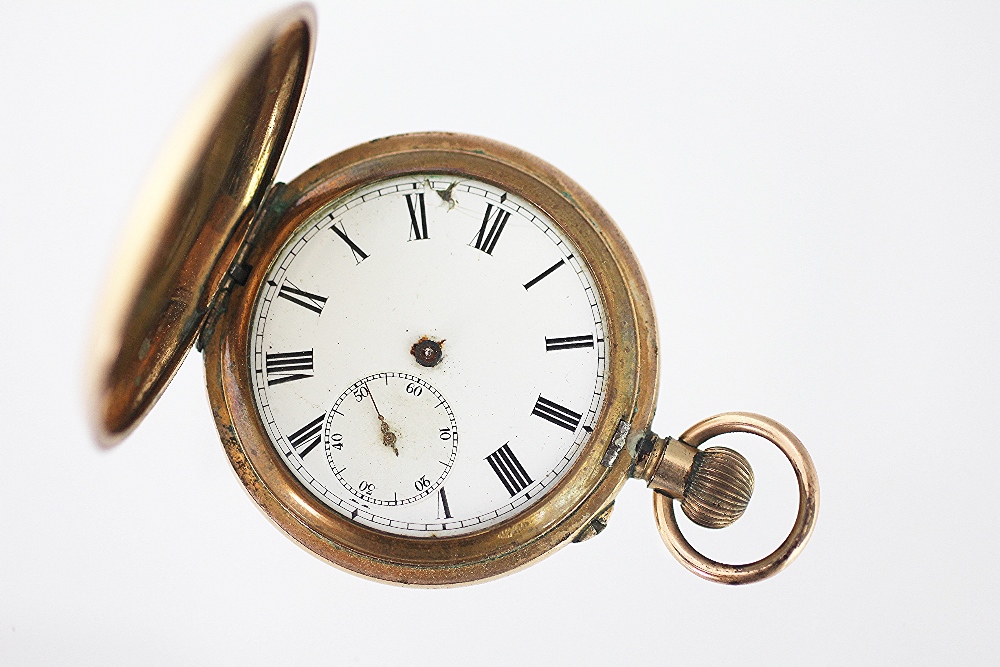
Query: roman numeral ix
pixel 487 240
pixel 510 471
pixel 556 414
pixel 418 217
pixel 313 302
pixel 568 343
pixel 285 366
pixel 306 438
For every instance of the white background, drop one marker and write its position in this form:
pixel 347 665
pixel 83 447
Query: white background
pixel 812 189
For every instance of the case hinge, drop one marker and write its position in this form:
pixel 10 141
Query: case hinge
pixel 239 271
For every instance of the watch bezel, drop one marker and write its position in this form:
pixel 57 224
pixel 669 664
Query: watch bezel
pixel 529 533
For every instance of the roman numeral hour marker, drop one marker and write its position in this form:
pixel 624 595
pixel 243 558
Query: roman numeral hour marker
pixel 556 414
pixel 306 438
pixel 487 240
pixel 510 471
pixel 285 366
pixel 444 510
pixel 418 216
pixel 543 274
pixel 308 300
pixel 359 254
pixel 568 343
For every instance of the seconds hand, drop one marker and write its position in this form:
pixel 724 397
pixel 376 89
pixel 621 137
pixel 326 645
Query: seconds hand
pixel 388 437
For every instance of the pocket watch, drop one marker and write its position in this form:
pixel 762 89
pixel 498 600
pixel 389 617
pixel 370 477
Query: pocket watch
pixel 431 358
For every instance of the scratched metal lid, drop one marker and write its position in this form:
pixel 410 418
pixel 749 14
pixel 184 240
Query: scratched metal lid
pixel 191 216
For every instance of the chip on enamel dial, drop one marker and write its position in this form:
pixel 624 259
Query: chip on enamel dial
pixel 427 355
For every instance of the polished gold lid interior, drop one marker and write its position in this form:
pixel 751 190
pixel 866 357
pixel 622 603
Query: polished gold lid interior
pixel 191 217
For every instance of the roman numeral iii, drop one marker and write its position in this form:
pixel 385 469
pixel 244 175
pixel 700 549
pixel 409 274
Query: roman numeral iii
pixel 286 366
pixel 418 216
pixel 496 220
pixel 510 471
pixel 568 343
pixel 306 438
pixel 313 302
pixel 556 414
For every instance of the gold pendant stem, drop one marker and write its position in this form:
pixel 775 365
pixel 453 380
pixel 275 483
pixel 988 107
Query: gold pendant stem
pixel 714 486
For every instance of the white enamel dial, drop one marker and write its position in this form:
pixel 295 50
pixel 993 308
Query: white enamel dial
pixel 504 301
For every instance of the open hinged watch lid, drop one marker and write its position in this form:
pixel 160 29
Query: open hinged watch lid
pixel 191 217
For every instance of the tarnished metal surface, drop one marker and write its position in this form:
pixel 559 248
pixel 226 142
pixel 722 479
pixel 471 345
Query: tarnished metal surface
pixel 617 444
pixel 597 526
pixel 718 489
pixel 201 238
pixel 669 474
pixel 191 218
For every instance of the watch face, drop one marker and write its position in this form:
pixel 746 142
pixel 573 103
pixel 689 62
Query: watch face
pixel 427 355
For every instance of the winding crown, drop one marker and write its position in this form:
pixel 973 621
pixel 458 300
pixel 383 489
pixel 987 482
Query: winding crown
pixel 718 488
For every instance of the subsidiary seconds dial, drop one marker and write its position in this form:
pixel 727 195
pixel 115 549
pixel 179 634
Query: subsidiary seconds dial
pixel 391 439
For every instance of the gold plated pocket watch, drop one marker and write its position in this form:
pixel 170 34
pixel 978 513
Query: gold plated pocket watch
pixel 431 358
